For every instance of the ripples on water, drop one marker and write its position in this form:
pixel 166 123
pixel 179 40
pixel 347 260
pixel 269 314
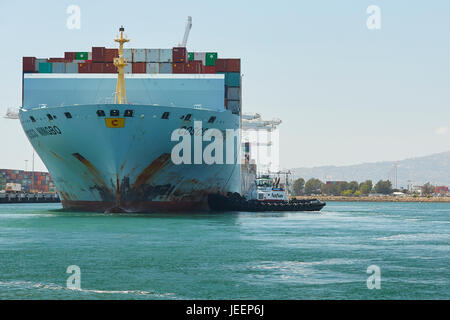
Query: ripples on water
pixel 227 256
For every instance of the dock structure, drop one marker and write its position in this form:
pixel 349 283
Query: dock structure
pixel 28 198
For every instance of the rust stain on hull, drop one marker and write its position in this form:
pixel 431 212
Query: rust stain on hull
pixel 56 155
pixel 151 170
pixel 100 186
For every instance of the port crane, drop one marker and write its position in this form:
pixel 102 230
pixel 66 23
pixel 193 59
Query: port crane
pixel 186 33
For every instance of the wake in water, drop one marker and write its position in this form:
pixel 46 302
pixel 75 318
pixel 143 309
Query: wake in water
pixel 24 285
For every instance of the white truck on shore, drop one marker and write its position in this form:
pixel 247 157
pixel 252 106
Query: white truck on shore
pixel 13 187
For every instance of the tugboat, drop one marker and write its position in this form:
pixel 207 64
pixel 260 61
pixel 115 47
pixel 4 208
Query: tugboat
pixel 267 195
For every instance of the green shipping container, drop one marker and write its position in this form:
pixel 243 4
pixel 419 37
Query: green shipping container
pixel 45 67
pixel 232 79
pixel 190 56
pixel 211 58
pixel 81 56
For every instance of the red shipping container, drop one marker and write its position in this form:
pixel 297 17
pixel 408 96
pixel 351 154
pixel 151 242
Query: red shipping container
pixel 228 65
pixel 194 66
pixel 84 67
pixel 179 54
pixel 208 69
pixel 97 67
pixel 110 54
pixel 110 68
pixel 179 68
pixel 69 56
pixel 29 64
pixel 139 67
pixel 98 54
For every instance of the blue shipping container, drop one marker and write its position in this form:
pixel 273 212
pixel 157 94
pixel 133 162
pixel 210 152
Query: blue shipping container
pixel 232 79
pixel 128 55
pixel 165 55
pixel 233 93
pixel 45 67
pixel 153 55
pixel 38 61
pixel 152 68
pixel 58 67
pixel 139 55
pixel 128 68
pixel 165 68
pixel 71 67
pixel 234 106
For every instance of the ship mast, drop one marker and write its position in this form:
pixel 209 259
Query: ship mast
pixel 121 63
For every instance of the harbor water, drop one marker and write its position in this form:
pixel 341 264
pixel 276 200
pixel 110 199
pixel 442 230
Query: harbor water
pixel 228 255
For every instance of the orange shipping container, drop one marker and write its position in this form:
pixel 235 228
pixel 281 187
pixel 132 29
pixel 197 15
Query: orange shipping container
pixel 110 68
pixel 97 67
pixel 84 67
pixel 178 68
pixel 110 54
pixel 228 65
pixel 209 69
pixel 139 67
pixel 194 66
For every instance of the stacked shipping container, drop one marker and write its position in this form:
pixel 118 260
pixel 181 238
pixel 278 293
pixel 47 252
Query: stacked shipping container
pixel 150 61
pixel 31 182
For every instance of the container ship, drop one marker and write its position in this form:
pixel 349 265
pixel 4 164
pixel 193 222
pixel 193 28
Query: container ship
pixel 101 121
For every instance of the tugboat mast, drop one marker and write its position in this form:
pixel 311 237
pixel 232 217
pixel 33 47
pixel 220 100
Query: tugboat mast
pixel 121 63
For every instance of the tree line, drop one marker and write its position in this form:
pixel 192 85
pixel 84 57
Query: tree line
pixel 343 188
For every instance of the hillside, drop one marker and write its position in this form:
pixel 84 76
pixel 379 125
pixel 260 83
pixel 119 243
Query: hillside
pixel 434 168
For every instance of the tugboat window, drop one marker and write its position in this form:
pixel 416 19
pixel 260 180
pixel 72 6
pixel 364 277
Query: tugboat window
pixel 32 119
pixel 128 113
pixel 100 113
pixel 212 119
pixel 165 115
pixel 114 113
pixel 68 115
pixel 188 117
pixel 49 116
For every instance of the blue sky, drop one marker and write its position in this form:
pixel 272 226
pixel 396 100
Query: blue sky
pixel 345 94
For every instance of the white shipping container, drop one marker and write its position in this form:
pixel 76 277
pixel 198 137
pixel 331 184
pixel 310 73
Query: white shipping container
pixel 200 56
pixel 165 55
pixel 89 55
pixel 153 55
pixel 152 67
pixel 139 55
pixel 128 54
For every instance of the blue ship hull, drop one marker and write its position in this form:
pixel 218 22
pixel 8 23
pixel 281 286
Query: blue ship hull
pixel 128 169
